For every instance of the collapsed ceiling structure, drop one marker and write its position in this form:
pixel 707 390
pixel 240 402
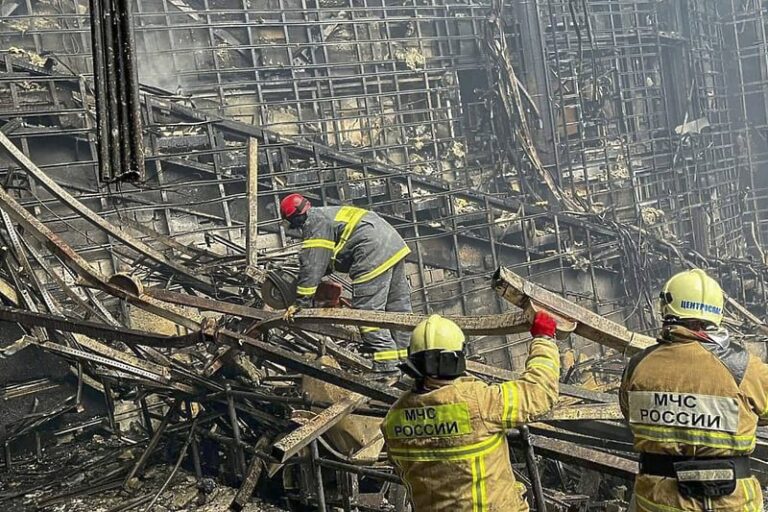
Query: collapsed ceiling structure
pixel 592 147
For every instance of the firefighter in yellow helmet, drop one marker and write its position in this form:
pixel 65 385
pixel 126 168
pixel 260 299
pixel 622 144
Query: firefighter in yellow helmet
pixel 446 436
pixel 693 402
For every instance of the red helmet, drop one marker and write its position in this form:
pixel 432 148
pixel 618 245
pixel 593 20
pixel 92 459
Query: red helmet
pixel 294 204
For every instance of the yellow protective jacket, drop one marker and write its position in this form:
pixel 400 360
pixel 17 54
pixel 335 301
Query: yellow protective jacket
pixel 447 440
pixel 694 394
pixel 347 239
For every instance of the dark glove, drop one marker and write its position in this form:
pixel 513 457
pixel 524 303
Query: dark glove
pixel 544 324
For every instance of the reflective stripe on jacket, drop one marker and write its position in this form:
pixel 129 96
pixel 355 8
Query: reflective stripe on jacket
pixel 448 444
pixel 354 240
pixel 684 397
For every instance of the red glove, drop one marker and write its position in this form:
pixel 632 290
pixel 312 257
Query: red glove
pixel 328 294
pixel 543 325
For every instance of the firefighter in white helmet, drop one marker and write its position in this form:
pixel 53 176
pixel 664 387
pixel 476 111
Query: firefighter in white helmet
pixel 693 402
pixel 446 436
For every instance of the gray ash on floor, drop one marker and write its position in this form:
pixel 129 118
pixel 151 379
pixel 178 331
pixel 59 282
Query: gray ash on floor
pixel 88 476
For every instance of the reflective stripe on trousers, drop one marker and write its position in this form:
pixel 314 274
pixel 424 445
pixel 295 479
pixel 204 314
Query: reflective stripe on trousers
pixel 387 292
pixel 306 291
pixel 391 355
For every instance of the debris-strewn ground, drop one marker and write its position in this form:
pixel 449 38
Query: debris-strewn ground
pixel 67 480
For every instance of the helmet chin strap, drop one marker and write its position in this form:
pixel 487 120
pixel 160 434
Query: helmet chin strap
pixel 410 369
pixel 298 220
pixel 701 325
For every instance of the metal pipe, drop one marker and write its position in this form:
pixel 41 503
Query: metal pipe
pixel 146 416
pixel 110 404
pixel 176 466
pixel 194 442
pixel 122 85
pixel 533 469
pixel 100 89
pixel 113 139
pixel 318 469
pixel 237 446
pixel 139 466
pixel 131 76
pixel 351 468
pixel 8 457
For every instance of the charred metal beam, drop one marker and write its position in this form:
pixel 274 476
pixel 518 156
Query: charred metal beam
pixel 358 470
pixel 584 412
pixel 97 330
pixel 504 323
pixel 300 438
pixel 108 362
pixel 501 375
pixel 33 226
pixel 590 325
pixel 92 217
pixel 585 457
pixel 573 436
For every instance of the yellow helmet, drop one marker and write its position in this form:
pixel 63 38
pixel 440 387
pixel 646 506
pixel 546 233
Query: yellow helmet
pixel 437 350
pixel 436 333
pixel 692 295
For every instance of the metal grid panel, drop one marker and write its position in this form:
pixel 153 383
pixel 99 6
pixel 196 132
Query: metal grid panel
pixel 617 94
pixel 642 123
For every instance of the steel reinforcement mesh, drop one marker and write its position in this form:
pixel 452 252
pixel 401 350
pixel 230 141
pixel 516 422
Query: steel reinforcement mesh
pixel 642 125
pixel 634 107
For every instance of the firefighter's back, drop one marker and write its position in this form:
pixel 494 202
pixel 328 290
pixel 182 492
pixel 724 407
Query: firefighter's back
pixel 446 454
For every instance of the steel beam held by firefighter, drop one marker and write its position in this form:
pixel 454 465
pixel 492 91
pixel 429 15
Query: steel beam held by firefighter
pixel 693 402
pixel 446 437
pixel 357 242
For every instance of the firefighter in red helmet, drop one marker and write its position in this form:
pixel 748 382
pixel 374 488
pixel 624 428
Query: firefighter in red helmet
pixel 357 242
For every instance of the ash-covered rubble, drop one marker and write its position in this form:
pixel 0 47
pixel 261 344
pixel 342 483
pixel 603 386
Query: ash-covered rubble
pixel 233 395
pixel 138 333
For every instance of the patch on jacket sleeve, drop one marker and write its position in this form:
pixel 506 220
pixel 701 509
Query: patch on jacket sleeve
pixel 447 420
pixel 687 410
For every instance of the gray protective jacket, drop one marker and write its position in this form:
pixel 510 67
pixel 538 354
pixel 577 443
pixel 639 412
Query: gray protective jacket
pixel 349 240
